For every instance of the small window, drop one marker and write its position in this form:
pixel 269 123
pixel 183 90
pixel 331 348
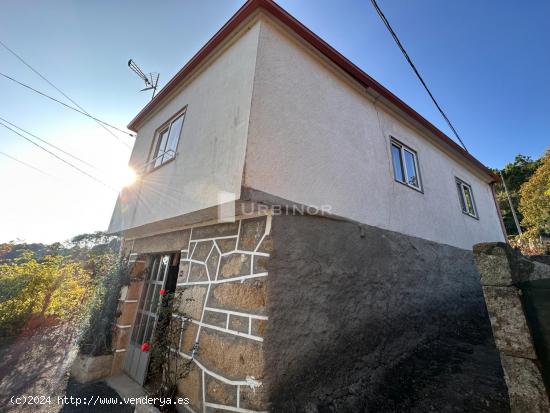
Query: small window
pixel 405 165
pixel 466 196
pixel 167 142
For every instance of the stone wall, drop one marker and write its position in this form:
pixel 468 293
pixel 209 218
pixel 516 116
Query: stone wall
pixel 363 319
pixel 127 308
pixel 502 270
pixel 223 273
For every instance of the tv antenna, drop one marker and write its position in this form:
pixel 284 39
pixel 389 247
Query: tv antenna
pixel 151 80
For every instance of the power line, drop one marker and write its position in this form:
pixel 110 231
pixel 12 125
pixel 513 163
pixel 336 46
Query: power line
pixel 58 157
pixel 48 143
pixel 59 90
pixel 398 42
pixel 26 164
pixel 67 106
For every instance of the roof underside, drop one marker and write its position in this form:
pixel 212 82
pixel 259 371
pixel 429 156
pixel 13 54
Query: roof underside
pixel 322 47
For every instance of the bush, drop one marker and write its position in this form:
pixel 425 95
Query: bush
pixel 111 275
pixel 52 287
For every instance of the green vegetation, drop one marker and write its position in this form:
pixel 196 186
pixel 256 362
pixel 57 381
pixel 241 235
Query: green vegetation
pixel 166 367
pixel 528 183
pixel 534 202
pixel 70 282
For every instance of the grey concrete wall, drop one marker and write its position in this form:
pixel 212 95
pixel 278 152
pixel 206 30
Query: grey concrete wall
pixel 363 319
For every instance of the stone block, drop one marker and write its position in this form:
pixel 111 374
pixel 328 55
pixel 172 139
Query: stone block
pixel 239 323
pixel 234 265
pixel 86 369
pixel 192 301
pixel 128 313
pixel 494 262
pixel 214 231
pixel 122 337
pixel 201 251
pixel 512 336
pixel 234 357
pixel 183 271
pixel 118 363
pixel 260 264
pixel 215 319
pixel 258 327
pixel 253 398
pixel 138 268
pixel 132 293
pixel 212 263
pixel 227 244
pixel 197 272
pixel 191 387
pixel 525 386
pixel 189 337
pixel 172 241
pixel 266 245
pixel 247 296
pixel 219 392
pixel 175 332
pixel 252 231
pixel 540 271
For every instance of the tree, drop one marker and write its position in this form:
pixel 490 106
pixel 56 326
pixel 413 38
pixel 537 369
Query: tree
pixel 515 174
pixel 534 202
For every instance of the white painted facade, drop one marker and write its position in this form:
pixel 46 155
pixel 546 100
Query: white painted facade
pixel 312 136
pixel 210 155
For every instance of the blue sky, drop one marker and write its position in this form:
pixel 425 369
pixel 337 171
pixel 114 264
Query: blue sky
pixel 487 62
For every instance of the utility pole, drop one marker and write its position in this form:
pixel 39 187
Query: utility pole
pixel 511 205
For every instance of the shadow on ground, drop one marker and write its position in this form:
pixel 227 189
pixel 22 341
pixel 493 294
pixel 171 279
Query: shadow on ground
pixel 99 395
pixel 37 363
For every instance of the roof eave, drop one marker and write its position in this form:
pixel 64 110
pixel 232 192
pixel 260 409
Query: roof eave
pixel 321 46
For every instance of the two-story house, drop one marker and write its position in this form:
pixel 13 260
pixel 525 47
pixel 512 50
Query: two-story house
pixel 322 230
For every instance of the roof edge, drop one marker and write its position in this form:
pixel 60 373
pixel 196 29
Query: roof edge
pixel 322 47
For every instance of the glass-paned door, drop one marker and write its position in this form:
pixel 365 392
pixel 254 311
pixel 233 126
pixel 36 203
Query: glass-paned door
pixel 137 361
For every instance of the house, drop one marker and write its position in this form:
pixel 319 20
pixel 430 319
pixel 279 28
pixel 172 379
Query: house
pixel 321 228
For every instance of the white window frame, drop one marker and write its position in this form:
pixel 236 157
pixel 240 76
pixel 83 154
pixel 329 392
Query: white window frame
pixel 460 185
pixel 402 148
pixel 166 127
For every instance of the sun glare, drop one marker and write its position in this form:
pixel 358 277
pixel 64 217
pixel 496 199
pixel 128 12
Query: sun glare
pixel 124 177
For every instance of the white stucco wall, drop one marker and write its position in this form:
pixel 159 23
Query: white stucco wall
pixel 211 151
pixel 317 140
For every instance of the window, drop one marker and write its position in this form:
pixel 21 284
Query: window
pixel 167 142
pixel 405 165
pixel 466 197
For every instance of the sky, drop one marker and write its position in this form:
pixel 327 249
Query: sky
pixel 487 62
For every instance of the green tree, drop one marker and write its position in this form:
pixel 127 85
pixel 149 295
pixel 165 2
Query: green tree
pixel 534 203
pixel 515 174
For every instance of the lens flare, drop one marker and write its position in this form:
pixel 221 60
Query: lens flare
pixel 124 178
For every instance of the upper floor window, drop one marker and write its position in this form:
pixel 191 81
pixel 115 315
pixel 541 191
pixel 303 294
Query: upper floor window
pixel 466 196
pixel 167 141
pixel 405 165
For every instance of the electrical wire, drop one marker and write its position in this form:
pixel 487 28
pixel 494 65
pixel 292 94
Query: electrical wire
pixel 60 91
pixel 48 143
pixel 409 60
pixel 67 106
pixel 26 164
pixel 58 157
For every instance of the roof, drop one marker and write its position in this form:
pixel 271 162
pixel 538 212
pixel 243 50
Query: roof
pixel 322 47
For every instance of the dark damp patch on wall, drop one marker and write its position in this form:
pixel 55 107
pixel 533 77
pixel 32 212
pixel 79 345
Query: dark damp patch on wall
pixel 363 319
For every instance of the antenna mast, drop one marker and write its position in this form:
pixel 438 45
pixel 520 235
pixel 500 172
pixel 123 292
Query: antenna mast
pixel 151 80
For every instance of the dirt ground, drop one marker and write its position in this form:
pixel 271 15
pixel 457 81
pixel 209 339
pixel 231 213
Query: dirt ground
pixel 37 363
